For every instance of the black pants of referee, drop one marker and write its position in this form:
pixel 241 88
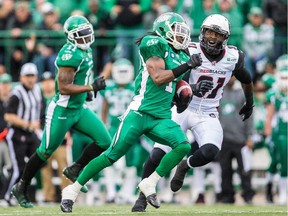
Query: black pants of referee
pixel 21 146
pixel 229 151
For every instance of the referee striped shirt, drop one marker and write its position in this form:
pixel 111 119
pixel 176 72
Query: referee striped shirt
pixel 25 103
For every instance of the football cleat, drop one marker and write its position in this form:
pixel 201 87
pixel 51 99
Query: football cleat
pixel 66 205
pixel 68 198
pixel 19 192
pixel 149 190
pixel 72 172
pixel 178 178
pixel 140 204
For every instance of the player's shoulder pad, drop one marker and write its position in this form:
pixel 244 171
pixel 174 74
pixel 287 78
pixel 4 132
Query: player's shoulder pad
pixel 153 40
pixel 69 55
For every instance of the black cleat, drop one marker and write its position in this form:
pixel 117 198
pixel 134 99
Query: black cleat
pixel 140 204
pixel 178 179
pixel 152 200
pixel 19 192
pixel 72 172
pixel 66 205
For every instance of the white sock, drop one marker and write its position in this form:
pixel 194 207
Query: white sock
pixel 76 186
pixel 154 177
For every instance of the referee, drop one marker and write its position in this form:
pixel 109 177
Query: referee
pixel 23 117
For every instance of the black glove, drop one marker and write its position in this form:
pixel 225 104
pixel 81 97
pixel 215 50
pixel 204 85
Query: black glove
pixel 246 111
pixel 200 88
pixel 181 104
pixel 89 96
pixel 98 84
pixel 194 61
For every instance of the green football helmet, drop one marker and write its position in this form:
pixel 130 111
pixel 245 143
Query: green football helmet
pixel 79 31
pixel 174 29
pixel 122 71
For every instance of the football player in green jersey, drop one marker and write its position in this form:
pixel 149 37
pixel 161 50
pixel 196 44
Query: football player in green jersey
pixel 277 105
pixel 67 110
pixel 163 63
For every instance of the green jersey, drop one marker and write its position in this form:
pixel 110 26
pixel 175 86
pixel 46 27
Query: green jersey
pixel 71 56
pixel 268 80
pixel 280 102
pixel 118 99
pixel 150 98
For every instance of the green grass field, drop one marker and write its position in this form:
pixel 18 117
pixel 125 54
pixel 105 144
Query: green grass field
pixel 165 209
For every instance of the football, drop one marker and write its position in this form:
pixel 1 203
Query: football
pixel 183 95
pixel 183 91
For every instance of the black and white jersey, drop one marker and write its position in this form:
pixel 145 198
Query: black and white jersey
pixel 219 71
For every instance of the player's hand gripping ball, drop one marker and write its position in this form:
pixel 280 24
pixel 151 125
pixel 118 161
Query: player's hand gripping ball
pixel 183 95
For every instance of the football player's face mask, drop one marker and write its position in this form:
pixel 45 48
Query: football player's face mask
pixel 173 28
pixel 215 31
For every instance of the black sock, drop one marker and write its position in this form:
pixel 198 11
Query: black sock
pixel 203 155
pixel 153 161
pixel 90 152
pixel 34 164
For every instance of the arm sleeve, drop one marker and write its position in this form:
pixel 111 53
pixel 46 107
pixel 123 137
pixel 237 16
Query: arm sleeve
pixel 13 104
pixel 240 72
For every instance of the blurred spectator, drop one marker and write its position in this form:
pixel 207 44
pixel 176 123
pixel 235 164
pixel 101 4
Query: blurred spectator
pixel 257 42
pixel 201 9
pixel 245 6
pixel 20 46
pixel 158 7
pixel 21 55
pixel 267 79
pixel 6 13
pixel 46 46
pixel 230 10
pixel 276 129
pixel 275 13
pixel 66 9
pixel 23 115
pixel 128 15
pixel 101 22
pixel 2 69
pixel 5 161
pixel 237 144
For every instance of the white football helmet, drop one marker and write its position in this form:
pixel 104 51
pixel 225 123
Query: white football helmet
pixel 219 24
pixel 122 71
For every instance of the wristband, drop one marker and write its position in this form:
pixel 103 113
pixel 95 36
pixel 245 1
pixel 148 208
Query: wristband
pixel 178 71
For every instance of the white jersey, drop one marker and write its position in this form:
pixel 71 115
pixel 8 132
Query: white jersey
pixel 219 72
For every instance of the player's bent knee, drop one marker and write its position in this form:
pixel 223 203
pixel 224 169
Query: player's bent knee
pixel 209 151
pixel 156 155
pixel 183 148
pixel 42 155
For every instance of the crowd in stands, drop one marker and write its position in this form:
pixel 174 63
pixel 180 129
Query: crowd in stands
pixel 32 31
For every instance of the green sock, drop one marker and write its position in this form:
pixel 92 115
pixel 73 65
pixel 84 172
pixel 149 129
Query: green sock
pixel 93 167
pixel 171 159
